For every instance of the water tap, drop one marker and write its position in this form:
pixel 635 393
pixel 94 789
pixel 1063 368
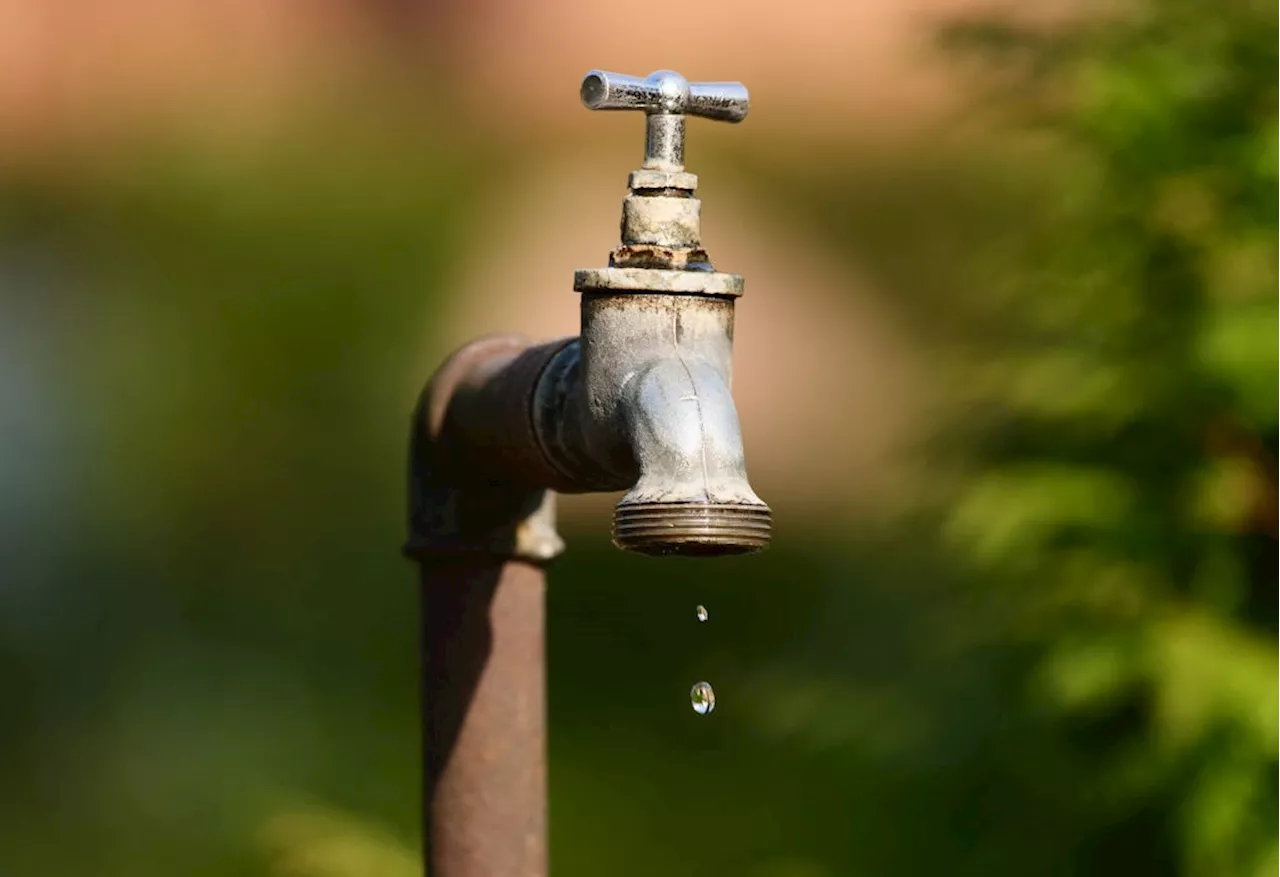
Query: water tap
pixel 640 402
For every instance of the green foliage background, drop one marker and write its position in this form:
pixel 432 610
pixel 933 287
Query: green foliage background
pixel 1057 658
pixel 1127 443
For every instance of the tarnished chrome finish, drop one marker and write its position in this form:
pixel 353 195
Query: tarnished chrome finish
pixel 661 248
pixel 665 91
pixel 657 369
pixel 664 141
pixel 654 370
pixel 640 402
pixel 666 97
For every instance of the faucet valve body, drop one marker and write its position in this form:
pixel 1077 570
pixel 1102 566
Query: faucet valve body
pixel 657 339
pixel 640 402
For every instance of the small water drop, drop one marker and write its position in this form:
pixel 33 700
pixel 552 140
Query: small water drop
pixel 701 612
pixel 702 698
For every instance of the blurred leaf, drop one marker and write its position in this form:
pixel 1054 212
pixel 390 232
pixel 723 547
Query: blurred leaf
pixel 1015 512
pixel 1238 348
pixel 325 843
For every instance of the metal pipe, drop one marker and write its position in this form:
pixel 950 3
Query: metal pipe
pixel 641 403
pixel 480 535
pixel 483 715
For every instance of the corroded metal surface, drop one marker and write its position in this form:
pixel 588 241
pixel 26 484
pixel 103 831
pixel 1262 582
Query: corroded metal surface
pixel 698 529
pixel 662 258
pixel 661 248
pixel 454 508
pixel 663 220
pixel 484 720
pixel 648 178
pixel 657 280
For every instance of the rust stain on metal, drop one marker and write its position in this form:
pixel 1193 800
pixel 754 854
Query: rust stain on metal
pixel 656 256
pixel 484 742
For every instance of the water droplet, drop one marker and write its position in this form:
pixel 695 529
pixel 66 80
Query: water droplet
pixel 702 698
pixel 701 612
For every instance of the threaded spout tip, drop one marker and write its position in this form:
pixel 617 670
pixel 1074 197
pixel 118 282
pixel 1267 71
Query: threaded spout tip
pixel 691 529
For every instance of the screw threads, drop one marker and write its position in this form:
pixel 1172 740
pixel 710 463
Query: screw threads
pixel 693 529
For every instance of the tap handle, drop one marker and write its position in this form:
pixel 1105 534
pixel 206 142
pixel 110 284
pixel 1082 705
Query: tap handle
pixel 666 98
pixel 665 92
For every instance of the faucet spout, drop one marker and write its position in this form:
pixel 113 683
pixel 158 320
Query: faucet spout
pixel 671 357
pixel 642 403
pixel 684 432
pixel 692 496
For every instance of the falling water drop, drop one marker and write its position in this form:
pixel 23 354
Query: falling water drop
pixel 702 698
pixel 701 612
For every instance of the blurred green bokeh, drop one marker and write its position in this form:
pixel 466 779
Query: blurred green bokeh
pixel 1058 657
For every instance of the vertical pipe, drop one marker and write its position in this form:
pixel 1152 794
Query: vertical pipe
pixel 484 717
